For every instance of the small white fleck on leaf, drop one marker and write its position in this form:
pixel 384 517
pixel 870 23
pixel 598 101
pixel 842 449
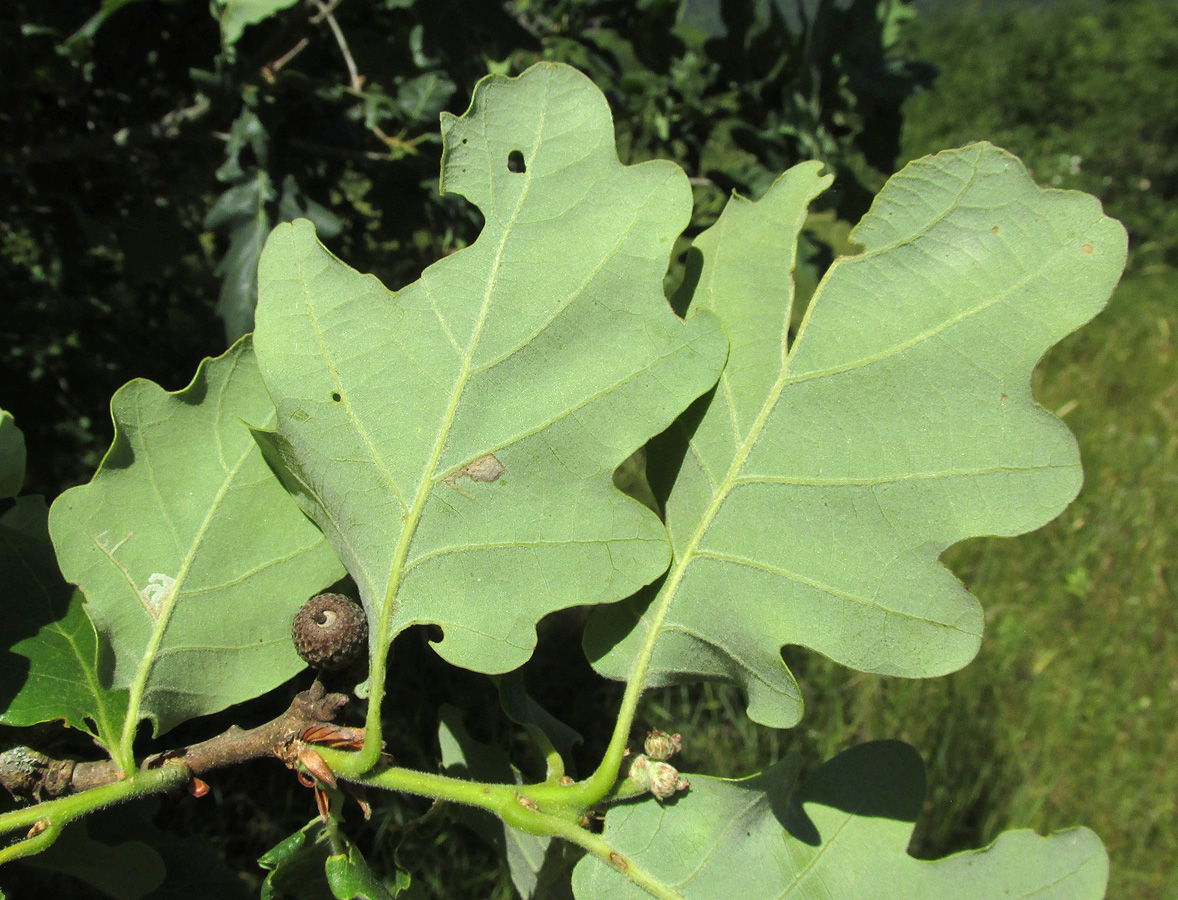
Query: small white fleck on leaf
pixel 157 593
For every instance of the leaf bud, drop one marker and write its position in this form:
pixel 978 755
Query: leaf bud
pixel 660 745
pixel 665 780
pixel 639 771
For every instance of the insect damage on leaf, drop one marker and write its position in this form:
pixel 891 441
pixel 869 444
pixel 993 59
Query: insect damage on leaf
pixel 486 468
pixel 157 593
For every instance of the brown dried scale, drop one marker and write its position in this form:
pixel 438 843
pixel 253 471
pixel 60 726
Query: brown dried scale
pixel 330 631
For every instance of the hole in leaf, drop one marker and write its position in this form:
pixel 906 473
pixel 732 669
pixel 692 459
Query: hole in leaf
pixel 515 162
pixel 336 397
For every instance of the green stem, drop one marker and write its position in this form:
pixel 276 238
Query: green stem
pixel 515 806
pixel 31 846
pixel 338 846
pixel 601 782
pixel 58 813
pixel 426 784
pixel 554 763
pixel 597 846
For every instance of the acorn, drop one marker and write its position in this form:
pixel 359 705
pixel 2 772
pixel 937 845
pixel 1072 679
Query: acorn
pixel 330 631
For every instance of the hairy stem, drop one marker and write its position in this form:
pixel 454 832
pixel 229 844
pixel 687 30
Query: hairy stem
pixel 53 815
pixel 517 808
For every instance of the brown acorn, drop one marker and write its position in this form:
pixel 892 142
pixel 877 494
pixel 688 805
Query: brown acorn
pixel 330 631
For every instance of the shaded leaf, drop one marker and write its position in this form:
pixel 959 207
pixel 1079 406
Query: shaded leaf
pixel 52 667
pixel 192 558
pixel 456 440
pixel 824 477
pixel 521 707
pixel 843 835
pixel 538 865
pixel 424 97
pixel 296 866
pixel 294 204
pixel 12 456
pixel 235 15
pixel 242 212
pixel 127 870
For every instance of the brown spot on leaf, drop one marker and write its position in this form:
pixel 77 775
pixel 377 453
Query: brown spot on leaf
pixel 485 468
pixel 1087 248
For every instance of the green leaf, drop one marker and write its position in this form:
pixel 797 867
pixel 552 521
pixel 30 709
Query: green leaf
pixel 295 866
pixel 541 725
pixel 12 456
pixel 192 558
pixel 194 868
pixel 50 661
pixel 825 476
pixel 456 440
pixel 242 212
pixel 74 44
pixel 843 835
pixel 128 870
pixel 303 866
pixel 539 866
pixel 237 14
pixel 424 97
pixel 53 667
pixel 351 878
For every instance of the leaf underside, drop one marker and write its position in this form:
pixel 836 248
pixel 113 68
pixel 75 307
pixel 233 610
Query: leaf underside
pixel 844 834
pixel 825 476
pixel 456 440
pixel 192 557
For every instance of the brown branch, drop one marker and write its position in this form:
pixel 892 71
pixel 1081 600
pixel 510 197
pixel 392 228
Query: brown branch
pixel 325 13
pixel 28 773
pixel 271 69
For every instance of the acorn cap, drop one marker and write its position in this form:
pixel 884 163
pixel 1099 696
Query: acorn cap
pixel 330 631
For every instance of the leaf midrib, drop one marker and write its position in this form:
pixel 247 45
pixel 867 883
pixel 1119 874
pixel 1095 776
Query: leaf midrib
pixel 427 482
pixel 139 685
pixel 732 478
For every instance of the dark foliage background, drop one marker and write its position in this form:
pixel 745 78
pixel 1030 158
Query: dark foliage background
pixel 148 163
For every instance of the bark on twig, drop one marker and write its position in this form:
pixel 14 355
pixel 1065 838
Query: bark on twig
pixel 25 772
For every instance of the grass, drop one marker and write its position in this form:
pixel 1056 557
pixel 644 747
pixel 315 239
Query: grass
pixel 1069 714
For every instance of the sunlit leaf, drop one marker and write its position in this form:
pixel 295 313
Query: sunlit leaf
pixel 456 440
pixel 842 836
pixel 825 476
pixel 192 557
